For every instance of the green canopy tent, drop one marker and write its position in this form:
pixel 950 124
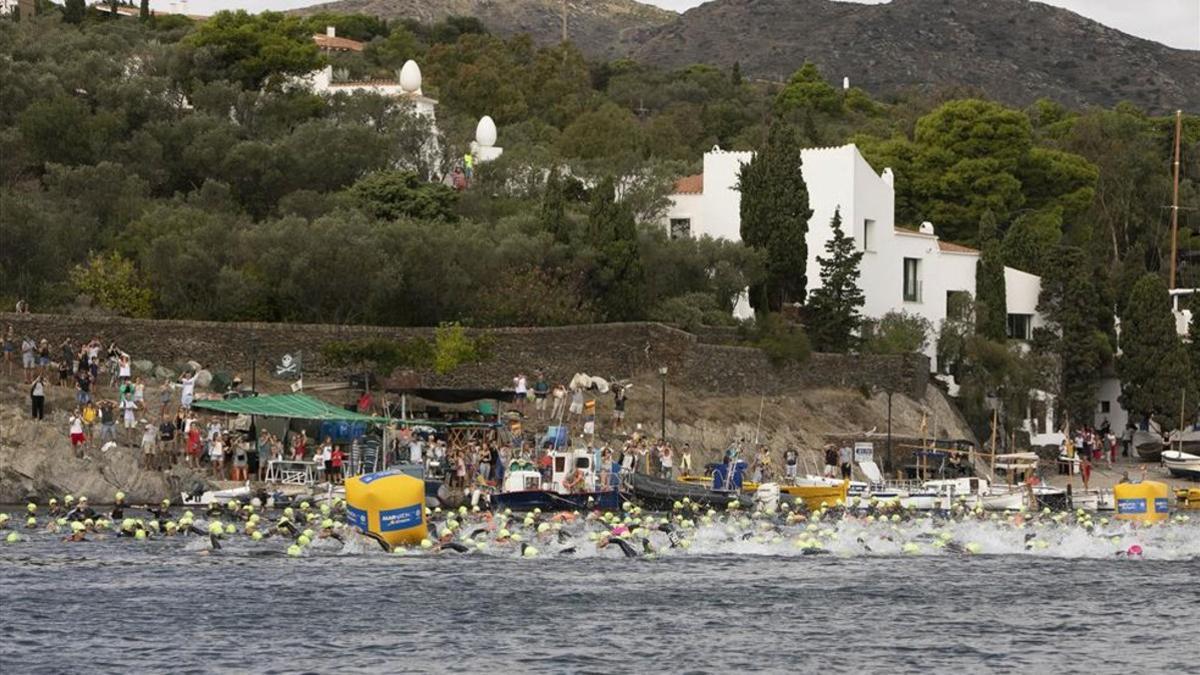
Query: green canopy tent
pixel 294 406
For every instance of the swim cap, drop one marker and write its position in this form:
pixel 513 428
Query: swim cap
pixel 303 506
pixel 972 547
pixel 327 524
pixel 426 543
pixel 303 540
pixel 171 525
pixel 12 538
pixel 31 507
pixel 68 499
pixel 1134 550
pixel 544 527
pixel 256 535
pixel 140 534
pixel 307 533
pixel 462 509
pixel 504 534
pixel 529 552
pixel 128 524
pixel 53 501
pixel 77 526
pixel 120 496
pixel 293 550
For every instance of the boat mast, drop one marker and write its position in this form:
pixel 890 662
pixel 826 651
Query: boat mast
pixel 1175 199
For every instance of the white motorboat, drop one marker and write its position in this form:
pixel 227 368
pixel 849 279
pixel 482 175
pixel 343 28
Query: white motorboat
pixel 217 496
pixel 1182 464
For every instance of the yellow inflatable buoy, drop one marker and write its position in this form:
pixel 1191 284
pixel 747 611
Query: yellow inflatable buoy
pixel 1147 502
pixel 389 504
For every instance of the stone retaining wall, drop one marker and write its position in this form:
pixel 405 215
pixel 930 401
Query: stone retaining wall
pixel 609 350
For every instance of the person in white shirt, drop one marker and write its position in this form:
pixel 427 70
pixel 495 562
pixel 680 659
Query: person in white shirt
pixel 522 389
pixel 188 391
pixel 78 438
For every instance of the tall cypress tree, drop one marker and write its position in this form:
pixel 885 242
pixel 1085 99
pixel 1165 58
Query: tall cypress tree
pixel 553 213
pixel 144 13
pixel 991 309
pixel 833 317
pixel 1154 365
pixel 617 279
pixel 774 215
pixel 1074 332
pixel 74 10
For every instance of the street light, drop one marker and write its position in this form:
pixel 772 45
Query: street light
pixel 888 465
pixel 662 372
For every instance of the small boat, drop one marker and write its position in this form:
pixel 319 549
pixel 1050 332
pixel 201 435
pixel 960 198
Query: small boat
pixel 1182 464
pixel 208 497
pixel 660 493
pixel 1148 446
pixel 524 489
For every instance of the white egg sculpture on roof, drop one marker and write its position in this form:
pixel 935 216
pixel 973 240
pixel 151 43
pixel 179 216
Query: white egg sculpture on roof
pixel 410 77
pixel 485 132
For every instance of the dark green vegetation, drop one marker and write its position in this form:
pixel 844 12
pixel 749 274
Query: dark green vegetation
pixel 164 168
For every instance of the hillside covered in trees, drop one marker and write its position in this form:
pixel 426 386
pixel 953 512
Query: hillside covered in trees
pixel 165 168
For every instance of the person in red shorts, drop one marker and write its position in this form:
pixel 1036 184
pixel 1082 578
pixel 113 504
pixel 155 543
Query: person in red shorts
pixel 76 429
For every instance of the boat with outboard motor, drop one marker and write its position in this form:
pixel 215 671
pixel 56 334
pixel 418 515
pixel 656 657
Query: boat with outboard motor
pixel 574 485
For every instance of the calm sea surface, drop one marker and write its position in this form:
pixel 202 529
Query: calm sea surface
pixel 118 606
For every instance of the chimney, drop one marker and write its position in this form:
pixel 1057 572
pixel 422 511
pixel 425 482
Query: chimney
pixel 845 83
pixel 330 31
pixel 927 227
pixel 887 176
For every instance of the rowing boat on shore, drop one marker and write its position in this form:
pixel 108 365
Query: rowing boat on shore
pixel 1182 464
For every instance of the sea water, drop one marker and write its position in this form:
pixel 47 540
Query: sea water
pixel 725 605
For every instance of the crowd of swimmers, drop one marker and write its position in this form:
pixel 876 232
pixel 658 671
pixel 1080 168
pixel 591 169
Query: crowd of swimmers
pixel 875 527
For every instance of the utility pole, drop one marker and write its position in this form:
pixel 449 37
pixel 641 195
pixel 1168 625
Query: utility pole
pixel 564 20
pixel 663 409
pixel 1175 199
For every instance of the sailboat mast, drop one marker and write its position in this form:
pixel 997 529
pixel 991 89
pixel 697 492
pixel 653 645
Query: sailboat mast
pixel 1175 199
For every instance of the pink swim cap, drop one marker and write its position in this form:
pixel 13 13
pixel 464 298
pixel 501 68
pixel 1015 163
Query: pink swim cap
pixel 619 530
pixel 1134 550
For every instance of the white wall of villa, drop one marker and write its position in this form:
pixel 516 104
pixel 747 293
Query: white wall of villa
pixel 902 269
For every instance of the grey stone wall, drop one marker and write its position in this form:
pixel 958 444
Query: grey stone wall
pixel 608 350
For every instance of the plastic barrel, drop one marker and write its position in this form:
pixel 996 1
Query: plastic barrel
pixel 389 504
pixel 1147 502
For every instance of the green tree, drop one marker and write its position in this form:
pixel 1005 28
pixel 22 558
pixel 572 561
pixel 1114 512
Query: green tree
pixel 897 332
pixel 74 10
pixel 144 11
pixel 396 194
pixel 452 348
pixel 552 216
pixel 833 315
pixel 1032 239
pixel 991 300
pixel 609 132
pixel 114 284
pixel 1154 364
pixel 808 90
pixel 256 50
pixel 617 277
pixel 1074 333
pixel 774 218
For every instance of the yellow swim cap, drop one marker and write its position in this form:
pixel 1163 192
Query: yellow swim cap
pixel 293 550
pixel 303 540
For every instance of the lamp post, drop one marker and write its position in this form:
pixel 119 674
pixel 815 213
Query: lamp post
pixel 662 372
pixel 888 465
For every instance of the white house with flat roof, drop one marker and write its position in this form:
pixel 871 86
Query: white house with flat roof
pixel 902 269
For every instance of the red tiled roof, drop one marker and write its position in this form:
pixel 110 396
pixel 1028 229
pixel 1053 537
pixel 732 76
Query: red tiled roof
pixel 950 247
pixel 337 43
pixel 690 185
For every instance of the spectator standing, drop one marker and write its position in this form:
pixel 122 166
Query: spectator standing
pixel 846 460
pixel 108 422
pixel 666 458
pixel 560 400
pixel 336 458
pixel 685 460
pixel 187 390
pixel 618 407
pixel 28 358
pixel 520 385
pixel 790 459
pixel 831 461
pixel 75 427
pixel 9 346
pixel 541 390
pixel 37 398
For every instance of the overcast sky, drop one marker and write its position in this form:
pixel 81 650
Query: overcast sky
pixel 1171 22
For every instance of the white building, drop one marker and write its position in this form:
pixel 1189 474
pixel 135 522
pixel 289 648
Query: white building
pixel 902 269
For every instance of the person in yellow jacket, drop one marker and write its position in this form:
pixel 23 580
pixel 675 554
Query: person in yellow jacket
pixel 469 165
